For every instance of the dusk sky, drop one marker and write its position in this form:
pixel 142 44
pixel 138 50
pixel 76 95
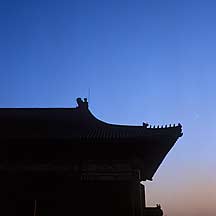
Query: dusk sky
pixel 138 61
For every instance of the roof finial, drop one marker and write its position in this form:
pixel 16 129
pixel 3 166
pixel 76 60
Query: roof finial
pixel 82 104
pixel 145 124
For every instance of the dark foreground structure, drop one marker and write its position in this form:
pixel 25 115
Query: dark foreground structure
pixel 64 161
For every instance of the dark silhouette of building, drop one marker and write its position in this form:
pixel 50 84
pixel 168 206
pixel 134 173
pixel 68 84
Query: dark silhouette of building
pixel 64 161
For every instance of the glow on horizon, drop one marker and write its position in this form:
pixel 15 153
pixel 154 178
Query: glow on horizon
pixel 187 191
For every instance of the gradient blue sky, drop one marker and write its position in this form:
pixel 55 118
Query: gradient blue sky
pixel 143 60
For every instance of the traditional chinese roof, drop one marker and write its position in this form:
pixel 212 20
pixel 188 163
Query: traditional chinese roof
pixel 78 127
pixel 71 123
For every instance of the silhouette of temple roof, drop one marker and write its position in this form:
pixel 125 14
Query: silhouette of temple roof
pixel 79 126
pixel 73 123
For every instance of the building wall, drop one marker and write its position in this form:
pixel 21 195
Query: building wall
pixel 66 196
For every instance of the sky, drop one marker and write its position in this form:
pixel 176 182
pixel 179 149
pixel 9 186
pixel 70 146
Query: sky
pixel 136 61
